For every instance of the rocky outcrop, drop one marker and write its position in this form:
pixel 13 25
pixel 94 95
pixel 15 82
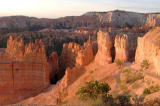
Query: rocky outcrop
pixel 121 47
pixel 86 55
pixel 24 70
pixel 69 54
pixel 74 54
pixel 104 48
pixel 15 48
pixel 17 51
pixel 53 67
pixel 35 52
pixel 148 48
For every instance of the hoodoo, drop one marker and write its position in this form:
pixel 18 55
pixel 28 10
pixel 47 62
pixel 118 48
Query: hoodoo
pixel 104 48
pixel 121 47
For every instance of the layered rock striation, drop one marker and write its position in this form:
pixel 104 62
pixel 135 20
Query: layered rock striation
pixel 24 70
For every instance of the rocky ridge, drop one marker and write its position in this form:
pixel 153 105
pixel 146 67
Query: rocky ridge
pixel 116 19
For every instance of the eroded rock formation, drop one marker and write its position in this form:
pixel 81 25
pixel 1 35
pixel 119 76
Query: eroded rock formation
pixel 85 56
pixel 148 48
pixel 24 70
pixel 17 51
pixel 104 48
pixel 121 47
pixel 74 54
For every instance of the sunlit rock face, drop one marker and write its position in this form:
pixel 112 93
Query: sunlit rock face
pixel 54 67
pixel 15 48
pixel 74 54
pixel 24 70
pixel 104 48
pixel 17 51
pixel 86 55
pixel 149 48
pixel 122 47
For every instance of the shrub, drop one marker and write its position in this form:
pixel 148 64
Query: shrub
pixel 145 64
pixel 92 90
pixel 135 77
pixel 127 70
pixel 151 89
pixel 119 63
pixel 138 100
pixel 123 99
pixel 146 91
pixel 132 75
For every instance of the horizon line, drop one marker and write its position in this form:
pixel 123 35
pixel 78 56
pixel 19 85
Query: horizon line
pixel 156 12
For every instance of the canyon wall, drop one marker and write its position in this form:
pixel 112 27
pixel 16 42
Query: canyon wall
pixel 148 48
pixel 23 68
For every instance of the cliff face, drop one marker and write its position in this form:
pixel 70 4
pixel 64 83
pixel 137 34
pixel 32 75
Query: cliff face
pixel 24 70
pixel 148 48
pixel 104 48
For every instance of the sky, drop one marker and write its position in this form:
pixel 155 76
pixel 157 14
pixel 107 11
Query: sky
pixel 61 8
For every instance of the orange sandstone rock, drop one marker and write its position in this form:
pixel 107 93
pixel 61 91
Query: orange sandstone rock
pixel 149 48
pixel 23 68
pixel 104 48
pixel 121 47
pixel 74 54
pixel 85 56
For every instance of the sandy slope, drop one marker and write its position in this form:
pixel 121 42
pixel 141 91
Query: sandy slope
pixel 92 72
